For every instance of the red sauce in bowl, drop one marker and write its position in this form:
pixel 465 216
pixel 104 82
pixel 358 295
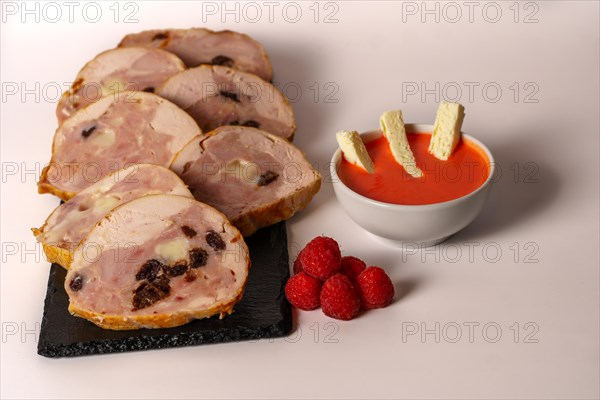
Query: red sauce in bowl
pixel 467 169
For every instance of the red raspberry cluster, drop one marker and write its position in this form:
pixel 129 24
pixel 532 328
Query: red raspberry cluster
pixel 341 286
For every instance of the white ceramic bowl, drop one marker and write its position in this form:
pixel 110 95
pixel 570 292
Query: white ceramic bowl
pixel 420 225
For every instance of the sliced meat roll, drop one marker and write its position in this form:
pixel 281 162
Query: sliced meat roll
pixel 215 96
pixel 71 221
pixel 157 261
pixel 113 71
pixel 117 131
pixel 202 46
pixel 254 178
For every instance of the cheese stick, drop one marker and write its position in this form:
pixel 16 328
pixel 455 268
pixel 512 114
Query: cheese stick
pixel 354 150
pixel 392 125
pixel 446 130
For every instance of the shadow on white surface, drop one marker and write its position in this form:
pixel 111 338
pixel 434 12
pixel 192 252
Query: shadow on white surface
pixel 405 287
pixel 525 189
pixel 294 69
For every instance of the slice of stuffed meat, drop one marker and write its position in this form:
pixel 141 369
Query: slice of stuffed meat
pixel 198 46
pixel 117 70
pixel 215 96
pixel 119 130
pixel 70 222
pixel 155 262
pixel 256 179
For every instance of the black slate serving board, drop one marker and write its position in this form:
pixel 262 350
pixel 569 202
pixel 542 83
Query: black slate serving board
pixel 263 312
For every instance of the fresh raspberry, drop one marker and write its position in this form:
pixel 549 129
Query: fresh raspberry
pixel 298 264
pixel 339 299
pixel 352 267
pixel 375 288
pixel 321 257
pixel 303 291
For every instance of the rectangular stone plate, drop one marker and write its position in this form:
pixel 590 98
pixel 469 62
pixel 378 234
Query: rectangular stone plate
pixel 263 312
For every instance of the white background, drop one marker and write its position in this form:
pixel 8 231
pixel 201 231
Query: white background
pixel 369 61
